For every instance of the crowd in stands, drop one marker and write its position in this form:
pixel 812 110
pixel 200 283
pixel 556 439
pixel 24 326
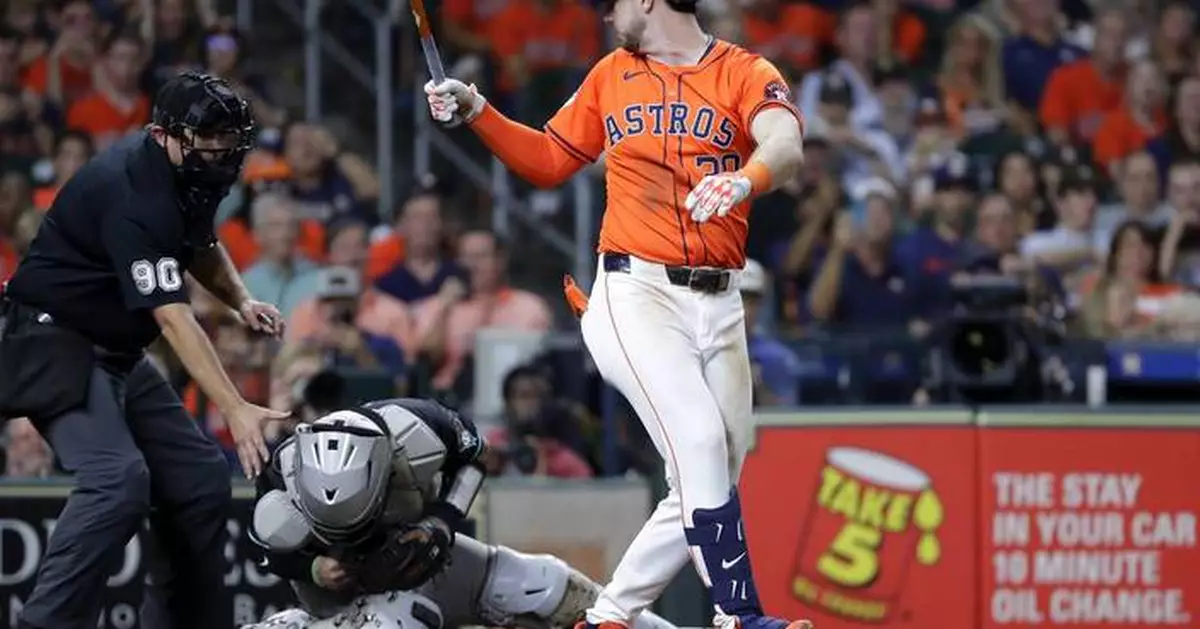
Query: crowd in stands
pixel 1056 142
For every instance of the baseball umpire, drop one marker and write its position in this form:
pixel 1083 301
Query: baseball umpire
pixel 101 281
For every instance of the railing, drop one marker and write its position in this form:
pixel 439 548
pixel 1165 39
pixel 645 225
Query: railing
pixel 320 47
pixel 306 14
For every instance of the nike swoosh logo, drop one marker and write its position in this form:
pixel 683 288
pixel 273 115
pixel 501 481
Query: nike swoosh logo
pixel 629 74
pixel 727 564
pixel 264 562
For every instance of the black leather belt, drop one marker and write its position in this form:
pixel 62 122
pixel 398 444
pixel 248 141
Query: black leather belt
pixel 699 279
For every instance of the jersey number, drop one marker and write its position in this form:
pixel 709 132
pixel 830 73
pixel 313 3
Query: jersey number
pixel 714 164
pixel 164 275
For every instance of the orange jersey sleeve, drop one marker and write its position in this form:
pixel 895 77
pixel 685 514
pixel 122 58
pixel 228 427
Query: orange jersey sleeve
pixel 763 86
pixel 578 126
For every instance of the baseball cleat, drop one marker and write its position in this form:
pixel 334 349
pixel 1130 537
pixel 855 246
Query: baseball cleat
pixel 610 624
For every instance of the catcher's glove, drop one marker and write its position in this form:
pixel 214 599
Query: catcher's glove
pixel 407 559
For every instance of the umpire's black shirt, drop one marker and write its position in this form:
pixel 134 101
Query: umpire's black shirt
pixel 114 246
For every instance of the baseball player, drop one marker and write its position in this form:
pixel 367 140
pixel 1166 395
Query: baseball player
pixel 692 128
pixel 357 510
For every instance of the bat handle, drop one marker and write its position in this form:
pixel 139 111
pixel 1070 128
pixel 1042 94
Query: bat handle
pixel 433 60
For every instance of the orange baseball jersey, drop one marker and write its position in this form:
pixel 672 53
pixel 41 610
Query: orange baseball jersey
pixel 664 128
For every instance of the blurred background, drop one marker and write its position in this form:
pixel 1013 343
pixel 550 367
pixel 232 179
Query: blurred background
pixel 1000 205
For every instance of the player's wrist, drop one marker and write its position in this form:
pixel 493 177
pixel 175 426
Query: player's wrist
pixel 476 104
pixel 758 176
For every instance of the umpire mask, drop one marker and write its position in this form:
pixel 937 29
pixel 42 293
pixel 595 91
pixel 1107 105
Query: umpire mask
pixel 215 130
pixel 342 469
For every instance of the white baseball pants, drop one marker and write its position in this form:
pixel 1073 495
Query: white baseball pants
pixel 680 358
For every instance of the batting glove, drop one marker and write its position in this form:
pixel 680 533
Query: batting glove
pixel 453 102
pixel 717 194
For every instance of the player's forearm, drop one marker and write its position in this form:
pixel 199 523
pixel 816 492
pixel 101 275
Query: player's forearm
pixel 782 157
pixel 196 352
pixel 533 155
pixel 215 271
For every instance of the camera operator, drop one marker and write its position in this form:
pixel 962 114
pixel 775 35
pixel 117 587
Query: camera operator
pixel 1007 310
pixel 533 440
pixel 339 292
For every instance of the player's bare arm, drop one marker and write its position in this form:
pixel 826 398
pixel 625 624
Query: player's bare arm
pixel 214 269
pixel 533 155
pixel 195 351
pixel 780 145
pixel 777 158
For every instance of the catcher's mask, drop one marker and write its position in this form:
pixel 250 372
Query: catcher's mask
pixel 215 130
pixel 343 466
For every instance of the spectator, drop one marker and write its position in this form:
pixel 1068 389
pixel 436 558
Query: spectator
pixel 774 368
pixel 1179 259
pixel 857 44
pixel 450 321
pixel 862 153
pixel 993 251
pixel 1016 178
pixel 237 232
pixel 812 207
pixel 928 254
pixel 65 74
pixel 25 231
pixel 935 144
pixel 175 27
pixel 116 105
pixel 791 34
pixel 466 25
pixel 423 271
pixel 328 182
pixel 345 314
pixel 1031 55
pixel 901 34
pixel 861 281
pixel 26 454
pixel 1069 245
pixel 14 200
pixel 20 141
pixel 1126 299
pixel 223 56
pixel 543 48
pixel 72 150
pixel 10 58
pixel 1140 119
pixel 969 81
pixel 897 106
pixel 1081 93
pixel 282 274
pixel 25 18
pixel 1138 199
pixel 1183 135
pixel 1174 42
pixel 533 439
pixel 245 358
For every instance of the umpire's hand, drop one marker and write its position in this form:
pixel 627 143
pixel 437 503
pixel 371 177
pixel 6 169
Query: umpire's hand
pixel 262 317
pixel 246 424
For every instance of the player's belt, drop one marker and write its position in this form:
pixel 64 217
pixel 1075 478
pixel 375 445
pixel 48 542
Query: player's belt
pixel 699 279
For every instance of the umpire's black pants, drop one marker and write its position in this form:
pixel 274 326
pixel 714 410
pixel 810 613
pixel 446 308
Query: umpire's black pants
pixel 132 448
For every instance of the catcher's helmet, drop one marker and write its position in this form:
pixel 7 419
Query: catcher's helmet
pixel 212 123
pixel 342 468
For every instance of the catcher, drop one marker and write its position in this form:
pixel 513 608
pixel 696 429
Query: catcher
pixel 358 510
